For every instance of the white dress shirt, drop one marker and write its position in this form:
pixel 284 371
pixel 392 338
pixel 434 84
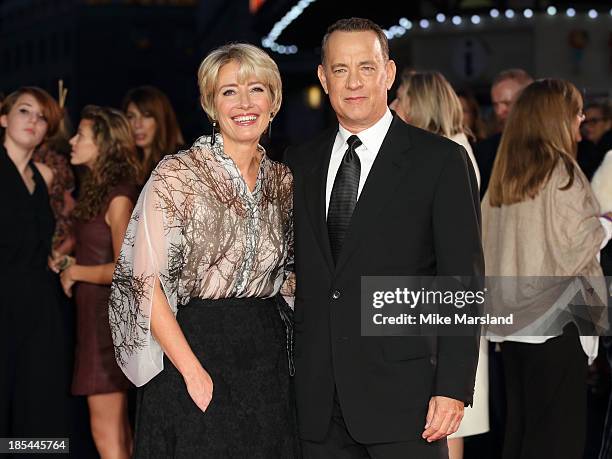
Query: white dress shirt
pixel 371 140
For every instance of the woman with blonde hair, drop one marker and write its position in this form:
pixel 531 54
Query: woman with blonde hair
pixel 428 101
pixel 104 145
pixel 154 126
pixel 195 313
pixel 543 230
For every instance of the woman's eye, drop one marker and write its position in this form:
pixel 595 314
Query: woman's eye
pixel 24 111
pixel 228 92
pixel 258 89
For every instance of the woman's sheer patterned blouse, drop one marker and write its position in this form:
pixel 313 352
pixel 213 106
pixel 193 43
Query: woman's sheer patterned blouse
pixel 200 232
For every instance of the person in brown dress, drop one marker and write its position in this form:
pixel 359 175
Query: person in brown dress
pixel 105 146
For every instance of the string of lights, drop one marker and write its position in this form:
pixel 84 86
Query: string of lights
pixel 405 25
pixel 269 41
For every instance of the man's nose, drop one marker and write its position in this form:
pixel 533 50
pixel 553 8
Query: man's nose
pixel 353 81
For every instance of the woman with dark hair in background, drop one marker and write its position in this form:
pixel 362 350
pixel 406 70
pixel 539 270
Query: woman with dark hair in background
pixel 34 363
pixel 53 152
pixel 542 229
pixel 473 124
pixel 104 145
pixel 154 126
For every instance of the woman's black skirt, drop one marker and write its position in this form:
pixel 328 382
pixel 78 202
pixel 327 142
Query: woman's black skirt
pixel 242 344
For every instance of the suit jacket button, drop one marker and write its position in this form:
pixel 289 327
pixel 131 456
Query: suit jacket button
pixel 433 360
pixel 336 294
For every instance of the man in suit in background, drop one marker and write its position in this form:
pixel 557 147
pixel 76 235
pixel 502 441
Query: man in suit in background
pixel 376 197
pixel 506 87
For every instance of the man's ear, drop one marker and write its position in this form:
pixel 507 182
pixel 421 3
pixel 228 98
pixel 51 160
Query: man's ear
pixel 322 78
pixel 391 70
pixel 3 121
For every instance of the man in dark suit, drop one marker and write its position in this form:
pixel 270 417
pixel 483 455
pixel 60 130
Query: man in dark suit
pixel 376 197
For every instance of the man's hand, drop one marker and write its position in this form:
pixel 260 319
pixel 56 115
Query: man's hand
pixel 443 418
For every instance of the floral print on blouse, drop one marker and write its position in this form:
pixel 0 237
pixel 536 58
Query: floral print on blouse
pixel 198 229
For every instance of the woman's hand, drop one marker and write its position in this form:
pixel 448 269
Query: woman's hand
pixel 58 262
pixel 200 387
pixel 54 261
pixel 68 280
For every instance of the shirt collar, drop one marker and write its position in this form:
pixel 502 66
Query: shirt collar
pixel 372 137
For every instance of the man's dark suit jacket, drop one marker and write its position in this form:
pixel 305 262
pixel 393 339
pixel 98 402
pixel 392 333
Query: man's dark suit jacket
pixel 418 214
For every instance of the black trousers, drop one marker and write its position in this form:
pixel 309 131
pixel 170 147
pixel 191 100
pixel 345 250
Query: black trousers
pixel 339 444
pixel 546 393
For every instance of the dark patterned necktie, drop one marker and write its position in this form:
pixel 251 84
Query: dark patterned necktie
pixel 343 196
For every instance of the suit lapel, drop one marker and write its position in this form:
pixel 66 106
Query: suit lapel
pixel 385 176
pixel 314 189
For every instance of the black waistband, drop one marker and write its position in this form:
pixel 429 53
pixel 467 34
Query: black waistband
pixel 228 302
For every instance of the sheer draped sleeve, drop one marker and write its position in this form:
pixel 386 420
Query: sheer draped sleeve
pixel 288 287
pixel 152 251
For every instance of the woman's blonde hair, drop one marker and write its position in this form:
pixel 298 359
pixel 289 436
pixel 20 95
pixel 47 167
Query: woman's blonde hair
pixel 117 161
pixel 430 103
pixel 538 134
pixel 252 60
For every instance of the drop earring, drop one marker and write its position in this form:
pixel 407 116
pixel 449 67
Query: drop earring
pixel 270 125
pixel 213 137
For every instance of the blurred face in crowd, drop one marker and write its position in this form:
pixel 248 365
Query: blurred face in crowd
pixel 242 107
pixel 578 120
pixel 468 121
pixel 84 150
pixel 400 103
pixel 595 125
pixel 25 125
pixel 503 95
pixel 143 126
pixel 357 76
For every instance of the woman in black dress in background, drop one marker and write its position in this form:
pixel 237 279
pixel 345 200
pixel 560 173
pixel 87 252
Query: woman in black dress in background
pixel 34 363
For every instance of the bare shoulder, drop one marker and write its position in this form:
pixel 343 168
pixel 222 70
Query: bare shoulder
pixel 46 172
pixel 119 210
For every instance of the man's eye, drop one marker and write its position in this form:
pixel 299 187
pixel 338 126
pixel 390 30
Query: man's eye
pixel 339 70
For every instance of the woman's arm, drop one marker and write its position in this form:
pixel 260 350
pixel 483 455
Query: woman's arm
pixel 170 337
pixel 117 218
